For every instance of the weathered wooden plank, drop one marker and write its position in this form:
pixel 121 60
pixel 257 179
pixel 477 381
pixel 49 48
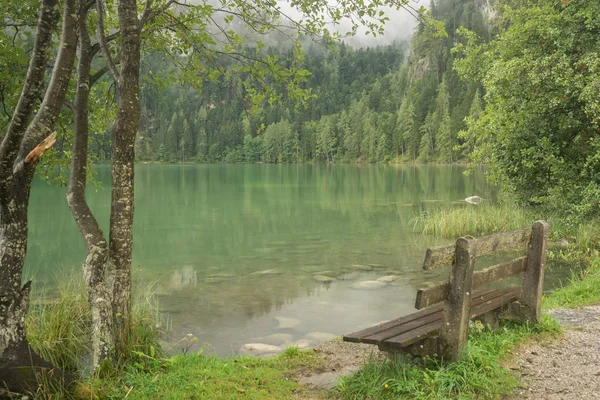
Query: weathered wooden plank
pixel 455 316
pixel 495 303
pixel 440 256
pixel 438 293
pixel 533 277
pixel 481 304
pixel 404 328
pixel 444 255
pixel 358 336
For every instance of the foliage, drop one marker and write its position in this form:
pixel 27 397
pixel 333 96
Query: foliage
pixel 479 374
pixel 483 219
pixel 539 130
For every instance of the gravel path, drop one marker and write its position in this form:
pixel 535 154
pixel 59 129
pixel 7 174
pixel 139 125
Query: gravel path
pixel 565 369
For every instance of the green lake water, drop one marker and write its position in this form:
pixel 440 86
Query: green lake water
pixel 232 248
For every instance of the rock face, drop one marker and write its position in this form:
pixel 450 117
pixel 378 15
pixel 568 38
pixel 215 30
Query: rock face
pixel 257 349
pixel 368 285
pixel 285 322
pixel 389 278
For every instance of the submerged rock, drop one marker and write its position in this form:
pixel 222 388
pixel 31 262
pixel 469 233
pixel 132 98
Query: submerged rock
pixel 257 349
pixel 303 344
pixel 389 278
pixel 359 267
pixel 267 272
pixel 335 274
pixel 323 278
pixel 285 322
pixel 368 285
pixel 276 339
pixel 320 336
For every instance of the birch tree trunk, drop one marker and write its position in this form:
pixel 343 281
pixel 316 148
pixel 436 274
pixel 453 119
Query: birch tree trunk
pixel 99 298
pixel 20 150
pixel 123 155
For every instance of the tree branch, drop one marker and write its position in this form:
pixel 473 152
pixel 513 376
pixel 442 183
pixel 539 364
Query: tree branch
pixel 32 89
pixel 103 42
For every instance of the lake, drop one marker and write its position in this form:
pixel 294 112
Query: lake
pixel 232 251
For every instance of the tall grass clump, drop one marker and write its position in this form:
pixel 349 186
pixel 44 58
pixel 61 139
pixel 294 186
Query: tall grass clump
pixel 475 220
pixel 478 375
pixel 59 326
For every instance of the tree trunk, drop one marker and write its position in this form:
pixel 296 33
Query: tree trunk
pixel 103 343
pixel 18 363
pixel 123 140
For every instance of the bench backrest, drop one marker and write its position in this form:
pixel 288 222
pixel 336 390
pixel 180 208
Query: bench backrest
pixel 532 263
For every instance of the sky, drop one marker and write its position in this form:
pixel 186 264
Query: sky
pixel 400 26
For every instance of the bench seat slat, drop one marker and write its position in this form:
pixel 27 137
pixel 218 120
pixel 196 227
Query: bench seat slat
pixel 413 327
pixel 359 336
pixel 497 300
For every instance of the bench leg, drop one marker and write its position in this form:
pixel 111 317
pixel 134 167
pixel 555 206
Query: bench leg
pixel 457 308
pixel 427 347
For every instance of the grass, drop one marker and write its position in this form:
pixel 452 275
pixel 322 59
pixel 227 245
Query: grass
pixel 479 375
pixel 58 330
pixel 475 220
pixel 582 289
pixel 197 376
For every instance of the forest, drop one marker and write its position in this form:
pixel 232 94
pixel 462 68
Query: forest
pixel 394 103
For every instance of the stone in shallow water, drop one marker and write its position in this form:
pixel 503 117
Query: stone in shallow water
pixel 350 276
pixel 303 344
pixel 276 339
pixel 285 322
pixel 266 272
pixel 377 266
pixel 389 278
pixel 257 349
pixel 320 336
pixel 368 285
pixel 359 267
pixel 323 278
pixel 335 274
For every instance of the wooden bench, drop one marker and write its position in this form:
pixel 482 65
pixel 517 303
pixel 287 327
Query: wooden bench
pixel 441 326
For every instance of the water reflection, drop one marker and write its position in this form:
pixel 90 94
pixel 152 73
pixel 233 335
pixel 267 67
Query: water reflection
pixel 233 247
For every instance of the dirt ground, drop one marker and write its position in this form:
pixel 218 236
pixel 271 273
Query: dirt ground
pixel 563 369
pixel 568 368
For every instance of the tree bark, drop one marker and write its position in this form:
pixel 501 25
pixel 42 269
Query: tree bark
pixel 123 155
pixel 103 343
pixel 16 176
